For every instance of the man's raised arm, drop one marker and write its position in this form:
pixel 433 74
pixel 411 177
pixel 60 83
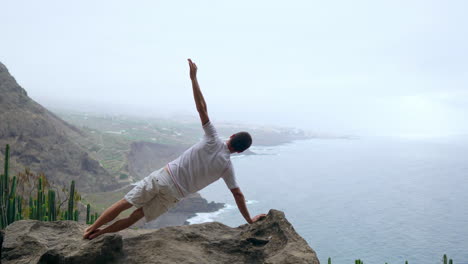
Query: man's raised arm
pixel 197 94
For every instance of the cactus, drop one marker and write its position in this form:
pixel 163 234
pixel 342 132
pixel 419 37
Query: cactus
pixel 4 197
pixel 88 211
pixel 450 261
pixel 19 214
pixel 5 172
pixel 11 210
pixel 71 201
pixel 39 215
pixel 10 202
pixel 76 215
pixel 358 261
pixel 329 260
pixel 52 211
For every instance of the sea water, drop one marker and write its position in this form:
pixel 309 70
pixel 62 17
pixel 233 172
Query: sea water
pixel 378 200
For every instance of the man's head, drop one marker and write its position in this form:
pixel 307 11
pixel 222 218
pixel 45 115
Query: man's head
pixel 239 142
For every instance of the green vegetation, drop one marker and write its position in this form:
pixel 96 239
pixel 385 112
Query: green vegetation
pixel 43 208
pixel 445 260
pixel 358 261
pixel 108 139
pixel 10 202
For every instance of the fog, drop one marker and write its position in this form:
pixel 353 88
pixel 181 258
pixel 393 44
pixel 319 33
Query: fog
pixel 345 67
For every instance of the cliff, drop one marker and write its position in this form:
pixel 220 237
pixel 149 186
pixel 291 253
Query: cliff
pixel 271 240
pixel 42 142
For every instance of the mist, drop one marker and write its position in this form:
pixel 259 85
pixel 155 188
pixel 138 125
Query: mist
pixel 385 68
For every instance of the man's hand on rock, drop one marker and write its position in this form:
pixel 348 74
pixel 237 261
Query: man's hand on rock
pixel 88 232
pixel 91 233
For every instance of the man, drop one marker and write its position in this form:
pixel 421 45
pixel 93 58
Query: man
pixel 196 168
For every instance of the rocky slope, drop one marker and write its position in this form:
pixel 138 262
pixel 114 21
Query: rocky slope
pixel 41 141
pixel 272 240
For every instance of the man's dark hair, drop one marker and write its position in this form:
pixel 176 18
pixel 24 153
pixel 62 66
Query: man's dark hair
pixel 241 141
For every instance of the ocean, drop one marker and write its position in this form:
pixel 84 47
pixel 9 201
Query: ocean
pixel 375 199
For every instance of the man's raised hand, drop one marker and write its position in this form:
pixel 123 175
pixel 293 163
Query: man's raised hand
pixel 193 69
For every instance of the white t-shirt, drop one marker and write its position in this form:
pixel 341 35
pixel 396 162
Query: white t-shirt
pixel 203 164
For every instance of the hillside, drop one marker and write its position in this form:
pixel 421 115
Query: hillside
pixel 41 141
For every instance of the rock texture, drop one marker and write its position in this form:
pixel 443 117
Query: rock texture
pixel 42 142
pixel 272 240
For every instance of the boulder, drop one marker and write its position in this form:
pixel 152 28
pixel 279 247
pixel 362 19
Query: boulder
pixel 271 240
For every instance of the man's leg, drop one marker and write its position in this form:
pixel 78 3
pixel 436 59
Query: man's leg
pixel 108 215
pixel 120 224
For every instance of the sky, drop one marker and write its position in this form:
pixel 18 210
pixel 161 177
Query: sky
pixel 397 68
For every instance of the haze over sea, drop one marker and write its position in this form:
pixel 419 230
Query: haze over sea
pixel 377 199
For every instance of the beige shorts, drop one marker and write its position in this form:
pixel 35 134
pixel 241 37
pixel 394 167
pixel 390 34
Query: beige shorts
pixel 154 193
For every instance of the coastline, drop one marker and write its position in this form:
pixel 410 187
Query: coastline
pixel 183 211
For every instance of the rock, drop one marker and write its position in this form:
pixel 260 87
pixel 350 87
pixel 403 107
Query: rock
pixel 271 240
pixel 31 241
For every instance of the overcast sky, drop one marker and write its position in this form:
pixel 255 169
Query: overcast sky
pixel 354 67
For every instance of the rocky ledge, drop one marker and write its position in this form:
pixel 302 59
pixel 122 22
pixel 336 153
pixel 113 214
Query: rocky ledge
pixel 271 240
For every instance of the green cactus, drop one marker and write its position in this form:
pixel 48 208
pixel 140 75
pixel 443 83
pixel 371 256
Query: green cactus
pixel 71 201
pixel 11 210
pixel 19 214
pixel 76 215
pixel 5 172
pixel 50 205
pixel 88 211
pixel 13 188
pixel 4 188
pixel 445 259
pixel 329 260
pixel 39 215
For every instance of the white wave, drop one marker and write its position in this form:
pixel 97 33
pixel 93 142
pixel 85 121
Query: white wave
pixel 209 217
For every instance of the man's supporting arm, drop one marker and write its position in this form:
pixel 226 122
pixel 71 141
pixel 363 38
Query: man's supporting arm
pixel 240 201
pixel 197 94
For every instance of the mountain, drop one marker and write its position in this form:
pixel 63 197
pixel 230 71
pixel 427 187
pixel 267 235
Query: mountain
pixel 41 141
pixel 272 240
